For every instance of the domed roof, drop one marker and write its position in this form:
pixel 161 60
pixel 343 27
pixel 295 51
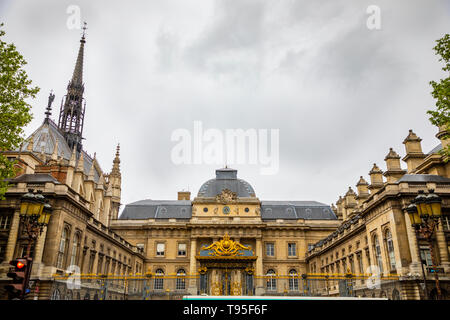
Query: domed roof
pixel 47 137
pixel 226 178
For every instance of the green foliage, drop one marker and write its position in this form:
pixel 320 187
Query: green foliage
pixel 441 90
pixel 15 88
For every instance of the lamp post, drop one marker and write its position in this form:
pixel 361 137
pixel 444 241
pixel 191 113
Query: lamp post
pixel 35 212
pixel 425 212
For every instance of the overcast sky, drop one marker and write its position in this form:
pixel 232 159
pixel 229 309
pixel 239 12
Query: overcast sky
pixel 339 93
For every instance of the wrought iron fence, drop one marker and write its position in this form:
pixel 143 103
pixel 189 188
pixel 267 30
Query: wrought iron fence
pixel 150 286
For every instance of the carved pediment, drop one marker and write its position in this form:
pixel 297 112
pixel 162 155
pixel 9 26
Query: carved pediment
pixel 226 196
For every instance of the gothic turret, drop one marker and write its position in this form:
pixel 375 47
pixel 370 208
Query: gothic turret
pixel 115 182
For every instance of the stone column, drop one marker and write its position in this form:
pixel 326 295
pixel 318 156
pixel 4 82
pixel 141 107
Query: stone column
pixel 259 283
pixel 442 247
pixel 192 289
pixel 12 238
pixel 415 266
pixel 39 250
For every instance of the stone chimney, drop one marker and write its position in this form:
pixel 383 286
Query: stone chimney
pixel 394 170
pixel 184 195
pixel 350 202
pixel 376 179
pixel 414 155
pixel 363 190
pixel 340 210
pixel 441 135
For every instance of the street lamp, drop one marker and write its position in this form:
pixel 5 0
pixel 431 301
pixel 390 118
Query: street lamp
pixel 425 212
pixel 35 213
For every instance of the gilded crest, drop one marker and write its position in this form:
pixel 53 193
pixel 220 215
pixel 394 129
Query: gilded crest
pixel 226 247
pixel 226 196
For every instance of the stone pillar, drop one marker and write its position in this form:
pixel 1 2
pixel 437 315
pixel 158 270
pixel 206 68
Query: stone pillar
pixel 12 238
pixel 192 289
pixel 39 250
pixel 259 283
pixel 415 266
pixel 442 247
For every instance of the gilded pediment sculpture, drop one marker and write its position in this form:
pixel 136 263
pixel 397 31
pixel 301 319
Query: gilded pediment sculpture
pixel 226 247
pixel 226 196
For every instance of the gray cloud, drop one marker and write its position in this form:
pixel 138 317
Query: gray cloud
pixel 340 94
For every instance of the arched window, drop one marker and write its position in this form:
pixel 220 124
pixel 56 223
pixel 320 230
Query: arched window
pixel 271 280
pixel 395 294
pixel 159 280
pixel 181 280
pixel 62 250
pixel 390 249
pixel 75 249
pixel 293 280
pixel 69 295
pixel 377 253
pixel 56 295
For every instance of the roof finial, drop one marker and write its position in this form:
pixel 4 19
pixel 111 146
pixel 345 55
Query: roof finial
pixel 84 30
pixel 51 97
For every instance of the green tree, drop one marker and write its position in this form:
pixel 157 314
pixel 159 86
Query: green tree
pixel 441 90
pixel 15 89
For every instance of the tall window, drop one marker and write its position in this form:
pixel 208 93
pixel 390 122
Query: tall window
pixel 390 249
pixel 360 263
pixel 352 264
pixel 100 263
pixel 292 249
pixel 270 249
pixel 107 265
pixel 271 280
pixel 293 280
pixel 181 280
pixel 160 249
pixel 5 221
pixel 62 248
pixel 446 223
pixel 182 249
pixel 377 252
pixel 23 249
pixel 159 280
pixel 425 255
pixel 75 249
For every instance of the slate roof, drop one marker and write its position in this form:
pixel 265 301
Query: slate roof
pixel 44 139
pixel 435 149
pixel 308 210
pixel 35 178
pixel 270 210
pixel 157 209
pixel 227 178
pixel 423 178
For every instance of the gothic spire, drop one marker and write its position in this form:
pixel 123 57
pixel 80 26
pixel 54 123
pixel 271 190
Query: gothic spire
pixel 77 77
pixel 71 115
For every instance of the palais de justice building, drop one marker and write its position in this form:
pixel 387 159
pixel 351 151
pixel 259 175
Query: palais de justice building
pixel 226 238
pixel 223 240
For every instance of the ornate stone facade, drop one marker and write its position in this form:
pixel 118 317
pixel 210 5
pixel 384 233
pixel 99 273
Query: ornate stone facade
pixel 376 230
pixel 78 239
